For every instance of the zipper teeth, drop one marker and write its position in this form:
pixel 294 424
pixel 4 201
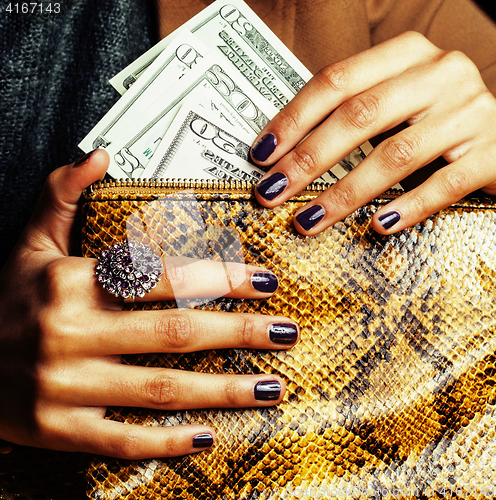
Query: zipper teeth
pixel 229 185
pixel 195 184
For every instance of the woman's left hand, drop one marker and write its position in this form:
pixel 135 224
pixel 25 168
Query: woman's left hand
pixel 439 94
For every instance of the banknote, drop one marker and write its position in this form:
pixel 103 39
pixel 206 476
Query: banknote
pixel 127 77
pixel 249 113
pixel 182 54
pixel 252 67
pixel 233 30
pixel 195 144
pixel 347 164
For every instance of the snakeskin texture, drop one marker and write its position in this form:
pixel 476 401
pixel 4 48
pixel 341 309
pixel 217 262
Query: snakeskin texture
pixel 391 391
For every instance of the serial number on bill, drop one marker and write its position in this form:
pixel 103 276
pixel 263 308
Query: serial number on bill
pixel 33 8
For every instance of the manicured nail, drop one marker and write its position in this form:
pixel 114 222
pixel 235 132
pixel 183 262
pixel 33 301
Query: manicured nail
pixel 310 217
pixel 389 220
pixel 273 186
pixel 83 160
pixel 283 333
pixel 267 390
pixel 203 440
pixel 264 147
pixel 264 282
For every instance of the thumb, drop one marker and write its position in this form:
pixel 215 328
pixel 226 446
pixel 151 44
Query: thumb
pixel 53 220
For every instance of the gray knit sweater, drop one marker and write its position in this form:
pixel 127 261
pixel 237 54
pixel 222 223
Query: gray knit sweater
pixel 54 72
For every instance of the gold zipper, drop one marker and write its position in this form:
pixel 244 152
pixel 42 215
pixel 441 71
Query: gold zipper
pixel 231 186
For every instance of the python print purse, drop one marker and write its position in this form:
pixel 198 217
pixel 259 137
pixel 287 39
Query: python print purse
pixel 391 392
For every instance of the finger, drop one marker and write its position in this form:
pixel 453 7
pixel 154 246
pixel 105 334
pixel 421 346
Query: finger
pixel 414 96
pixel 333 86
pixel 168 389
pixel 442 189
pixel 133 332
pixel 390 162
pixel 194 278
pixel 52 222
pixel 135 442
pixel 82 431
pixel 181 278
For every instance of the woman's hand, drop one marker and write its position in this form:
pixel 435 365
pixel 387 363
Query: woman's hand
pixel 62 334
pixel 439 94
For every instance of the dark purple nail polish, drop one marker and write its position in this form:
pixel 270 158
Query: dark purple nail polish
pixel 267 390
pixel 273 186
pixel 283 333
pixel 310 217
pixel 83 160
pixel 203 440
pixel 264 147
pixel 389 220
pixel 264 282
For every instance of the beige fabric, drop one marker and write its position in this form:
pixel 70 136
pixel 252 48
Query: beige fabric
pixel 449 24
pixel 320 32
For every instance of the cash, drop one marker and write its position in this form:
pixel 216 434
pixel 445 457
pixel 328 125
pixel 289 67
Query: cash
pixel 193 104
pixel 194 138
pixel 181 55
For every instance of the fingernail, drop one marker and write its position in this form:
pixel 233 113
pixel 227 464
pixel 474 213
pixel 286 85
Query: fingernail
pixel 264 147
pixel 203 440
pixel 267 390
pixel 273 186
pixel 389 220
pixel 283 333
pixel 83 160
pixel 310 217
pixel 264 282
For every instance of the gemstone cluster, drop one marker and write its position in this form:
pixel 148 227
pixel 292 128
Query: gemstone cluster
pixel 128 270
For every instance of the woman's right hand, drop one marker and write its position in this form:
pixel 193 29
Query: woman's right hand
pixel 62 335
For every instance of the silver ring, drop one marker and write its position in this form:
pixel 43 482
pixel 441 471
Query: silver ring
pixel 128 270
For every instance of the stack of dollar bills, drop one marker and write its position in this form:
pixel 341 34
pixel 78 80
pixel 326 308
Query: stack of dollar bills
pixel 193 104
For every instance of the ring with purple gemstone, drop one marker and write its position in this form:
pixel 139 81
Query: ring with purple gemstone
pixel 128 270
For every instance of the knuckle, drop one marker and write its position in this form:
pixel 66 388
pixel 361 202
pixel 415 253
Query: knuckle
pixel 161 390
pixel 419 202
pixel 170 446
pixel 304 162
pixel 128 445
pixel 46 327
pixel 177 275
pixel 459 64
pixel 485 101
pixel 51 382
pixel 361 111
pixel 455 182
pixel 55 330
pixel 233 392
pixel 245 331
pixel 334 77
pixel 344 196
pixel 289 121
pixel 398 153
pixel 56 280
pixel 174 330
pixel 415 39
pixel 54 336
pixel 235 274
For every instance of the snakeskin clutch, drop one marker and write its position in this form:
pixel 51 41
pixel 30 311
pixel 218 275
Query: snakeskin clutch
pixel 391 392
